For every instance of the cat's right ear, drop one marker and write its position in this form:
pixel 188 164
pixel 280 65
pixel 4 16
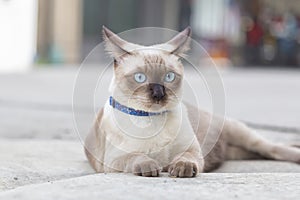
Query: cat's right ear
pixel 116 46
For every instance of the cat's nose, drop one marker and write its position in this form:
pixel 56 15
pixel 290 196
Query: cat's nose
pixel 157 91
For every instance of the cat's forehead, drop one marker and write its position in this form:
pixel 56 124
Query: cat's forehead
pixel 151 58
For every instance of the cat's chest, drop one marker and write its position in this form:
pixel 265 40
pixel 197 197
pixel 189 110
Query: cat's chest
pixel 142 133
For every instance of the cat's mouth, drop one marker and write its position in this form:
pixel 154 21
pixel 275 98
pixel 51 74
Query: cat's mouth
pixel 157 102
pixel 160 102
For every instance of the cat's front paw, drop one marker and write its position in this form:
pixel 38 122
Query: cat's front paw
pixel 183 169
pixel 149 168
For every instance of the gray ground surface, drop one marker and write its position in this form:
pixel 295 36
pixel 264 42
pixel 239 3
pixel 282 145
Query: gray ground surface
pixel 41 153
pixel 126 186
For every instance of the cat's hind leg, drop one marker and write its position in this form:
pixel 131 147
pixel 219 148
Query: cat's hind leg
pixel 239 153
pixel 239 135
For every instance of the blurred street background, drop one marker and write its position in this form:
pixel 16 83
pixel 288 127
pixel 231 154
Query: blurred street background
pixel 234 32
pixel 255 44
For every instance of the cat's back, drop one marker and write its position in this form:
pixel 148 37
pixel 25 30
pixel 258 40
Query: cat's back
pixel 203 122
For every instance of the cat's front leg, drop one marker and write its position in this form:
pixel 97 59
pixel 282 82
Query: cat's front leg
pixel 138 164
pixel 186 165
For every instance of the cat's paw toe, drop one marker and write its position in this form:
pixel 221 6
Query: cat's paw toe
pixel 147 168
pixel 183 169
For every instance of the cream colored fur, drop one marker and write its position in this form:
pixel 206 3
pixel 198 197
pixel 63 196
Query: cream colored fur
pixel 185 140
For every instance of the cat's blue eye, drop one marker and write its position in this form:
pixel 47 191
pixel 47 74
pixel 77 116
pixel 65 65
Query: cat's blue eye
pixel 140 77
pixel 170 76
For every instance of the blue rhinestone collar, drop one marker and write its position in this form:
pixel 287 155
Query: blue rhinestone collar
pixel 131 111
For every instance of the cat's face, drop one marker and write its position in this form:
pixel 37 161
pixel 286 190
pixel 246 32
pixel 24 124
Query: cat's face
pixel 147 78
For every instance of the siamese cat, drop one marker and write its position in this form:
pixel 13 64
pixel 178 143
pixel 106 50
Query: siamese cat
pixel 145 128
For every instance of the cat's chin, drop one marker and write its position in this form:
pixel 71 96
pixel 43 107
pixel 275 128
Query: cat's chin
pixel 153 107
pixel 157 107
pixel 160 107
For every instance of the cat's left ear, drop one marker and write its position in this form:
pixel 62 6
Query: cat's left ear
pixel 116 46
pixel 179 44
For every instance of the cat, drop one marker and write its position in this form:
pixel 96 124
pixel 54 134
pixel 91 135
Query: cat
pixel 145 128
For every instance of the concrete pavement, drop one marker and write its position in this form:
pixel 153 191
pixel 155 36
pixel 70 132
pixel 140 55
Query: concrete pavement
pixel 126 186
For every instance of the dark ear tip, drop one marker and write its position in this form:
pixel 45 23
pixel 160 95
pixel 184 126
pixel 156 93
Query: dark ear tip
pixel 104 29
pixel 188 31
pixel 106 32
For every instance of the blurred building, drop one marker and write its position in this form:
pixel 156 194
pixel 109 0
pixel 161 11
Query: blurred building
pixel 68 30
